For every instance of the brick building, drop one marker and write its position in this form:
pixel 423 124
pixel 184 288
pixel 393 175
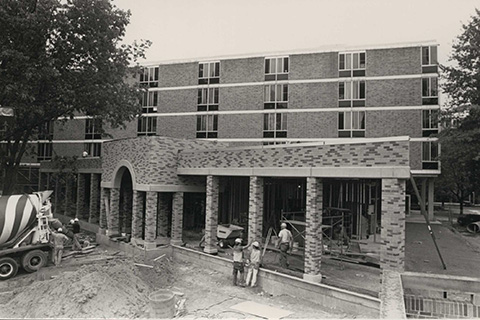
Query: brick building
pixel 260 138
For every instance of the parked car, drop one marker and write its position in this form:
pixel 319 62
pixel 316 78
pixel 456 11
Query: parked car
pixel 465 219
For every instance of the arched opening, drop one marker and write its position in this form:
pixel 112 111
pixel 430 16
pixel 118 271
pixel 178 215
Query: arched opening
pixel 126 203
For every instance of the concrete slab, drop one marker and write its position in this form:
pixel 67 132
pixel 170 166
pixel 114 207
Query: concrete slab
pixel 261 310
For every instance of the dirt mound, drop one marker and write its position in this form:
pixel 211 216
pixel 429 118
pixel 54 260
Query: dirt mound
pixel 112 290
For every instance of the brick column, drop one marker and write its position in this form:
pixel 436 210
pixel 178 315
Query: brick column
pixel 431 189
pixel 211 215
pixel 40 181
pixel 81 185
pixel 162 214
pixel 177 219
pixel 151 220
pixel 392 251
pixel 94 198
pixel 104 202
pixel 255 209
pixel 114 213
pixel 313 239
pixel 137 214
pixel 126 211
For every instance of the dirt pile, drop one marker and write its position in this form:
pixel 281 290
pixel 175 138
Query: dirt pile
pixel 115 289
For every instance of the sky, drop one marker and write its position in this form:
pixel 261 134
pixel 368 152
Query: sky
pixel 189 29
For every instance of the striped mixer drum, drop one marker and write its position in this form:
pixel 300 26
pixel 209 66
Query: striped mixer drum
pixel 17 212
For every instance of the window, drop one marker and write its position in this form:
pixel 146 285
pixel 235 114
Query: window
pixel 147 126
pixel 430 155
pixel 207 99
pixel 93 129
pixel 44 151
pixel 149 77
pixel 351 93
pixel 149 98
pixel 429 122
pixel 429 59
pixel 351 64
pixel 94 149
pixel 276 68
pixel 207 126
pixel 208 72
pixel 45 131
pixel 276 96
pixel 351 124
pixel 275 125
pixel 430 91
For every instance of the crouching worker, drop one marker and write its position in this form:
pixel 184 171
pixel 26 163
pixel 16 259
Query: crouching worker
pixel 74 233
pixel 255 256
pixel 58 239
pixel 238 263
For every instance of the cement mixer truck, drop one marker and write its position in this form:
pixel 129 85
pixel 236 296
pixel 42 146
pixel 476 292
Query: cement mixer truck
pixel 24 233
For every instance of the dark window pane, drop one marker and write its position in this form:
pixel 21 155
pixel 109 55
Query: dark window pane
pixel 362 90
pixel 425 55
pixel 341 90
pixel 344 74
pixel 341 62
pixel 156 74
pixel 358 73
pixel 340 121
pixel 285 65
pixel 362 60
pixel 344 134
pixel 267 66
pixel 200 70
pixel 425 87
pixel 270 77
pixel 282 76
pixel 201 135
pixel 433 55
pixel 215 123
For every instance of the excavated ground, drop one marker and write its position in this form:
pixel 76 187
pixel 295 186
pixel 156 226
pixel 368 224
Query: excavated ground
pixel 108 284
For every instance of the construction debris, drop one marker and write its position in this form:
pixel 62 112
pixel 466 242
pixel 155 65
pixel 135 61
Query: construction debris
pixel 160 257
pixel 143 265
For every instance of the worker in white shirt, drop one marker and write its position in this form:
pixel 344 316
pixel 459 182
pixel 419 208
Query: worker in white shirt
pixel 285 243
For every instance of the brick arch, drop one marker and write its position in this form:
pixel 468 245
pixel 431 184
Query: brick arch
pixel 123 165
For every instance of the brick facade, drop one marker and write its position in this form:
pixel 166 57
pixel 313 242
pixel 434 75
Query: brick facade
pixel 113 217
pixel 313 241
pixel 137 214
pixel 177 218
pixel 255 209
pixel 94 198
pixel 389 153
pixel 151 217
pixel 392 249
pixel 104 201
pixel 211 215
pixel 162 213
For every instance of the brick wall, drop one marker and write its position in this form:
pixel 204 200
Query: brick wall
pixel 154 158
pixel 184 100
pixel 395 61
pixel 313 95
pixel 313 66
pixel 182 127
pixel 255 209
pixel 398 92
pixel 313 243
pixel 392 249
pixel 240 126
pixel 313 125
pixel 241 98
pixel 179 74
pixel 372 154
pixel 242 70
pixel 393 123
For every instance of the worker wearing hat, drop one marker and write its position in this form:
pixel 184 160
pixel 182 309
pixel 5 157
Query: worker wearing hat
pixel 238 263
pixel 285 243
pixel 58 239
pixel 255 257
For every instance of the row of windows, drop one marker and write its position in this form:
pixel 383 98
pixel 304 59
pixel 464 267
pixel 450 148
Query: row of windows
pixel 351 64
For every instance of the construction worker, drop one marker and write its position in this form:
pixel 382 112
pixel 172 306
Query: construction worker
pixel 74 234
pixel 255 257
pixel 285 243
pixel 238 263
pixel 58 240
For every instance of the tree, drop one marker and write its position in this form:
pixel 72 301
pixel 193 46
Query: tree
pixel 460 140
pixel 58 59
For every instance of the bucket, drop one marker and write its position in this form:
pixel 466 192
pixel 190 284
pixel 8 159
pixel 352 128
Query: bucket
pixel 163 304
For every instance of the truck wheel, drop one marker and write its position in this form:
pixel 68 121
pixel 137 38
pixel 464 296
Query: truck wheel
pixel 8 268
pixel 34 260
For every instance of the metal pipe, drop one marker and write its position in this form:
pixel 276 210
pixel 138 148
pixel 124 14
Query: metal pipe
pixel 430 230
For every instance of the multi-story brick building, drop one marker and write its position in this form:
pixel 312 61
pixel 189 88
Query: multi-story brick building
pixel 378 103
